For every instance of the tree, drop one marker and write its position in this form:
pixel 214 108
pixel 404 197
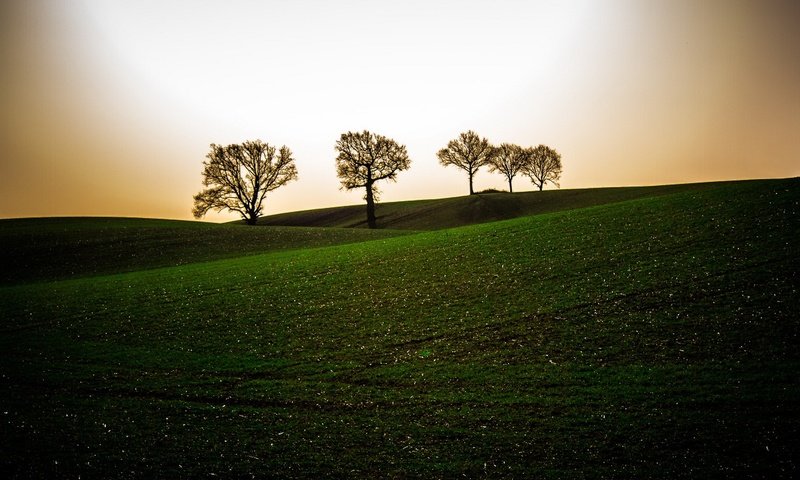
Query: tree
pixel 509 160
pixel 365 158
pixel 543 165
pixel 468 152
pixel 240 176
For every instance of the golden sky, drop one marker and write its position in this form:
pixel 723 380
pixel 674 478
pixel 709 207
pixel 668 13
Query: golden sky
pixel 108 106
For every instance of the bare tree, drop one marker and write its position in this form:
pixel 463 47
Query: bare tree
pixel 468 152
pixel 365 158
pixel 239 177
pixel 508 159
pixel 543 165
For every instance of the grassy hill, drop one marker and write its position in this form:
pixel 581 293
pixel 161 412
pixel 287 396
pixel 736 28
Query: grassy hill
pixel 651 338
pixel 443 213
pixel 37 249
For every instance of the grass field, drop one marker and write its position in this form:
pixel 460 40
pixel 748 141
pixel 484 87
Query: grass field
pixel 655 337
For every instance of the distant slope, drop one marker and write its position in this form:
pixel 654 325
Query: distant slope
pixel 471 209
pixel 57 248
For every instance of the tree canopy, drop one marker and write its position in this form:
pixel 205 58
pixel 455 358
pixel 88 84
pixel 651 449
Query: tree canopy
pixel 543 166
pixel 468 152
pixel 508 159
pixel 239 176
pixel 365 158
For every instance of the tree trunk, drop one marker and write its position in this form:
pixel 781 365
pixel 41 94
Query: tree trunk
pixel 471 192
pixel 251 219
pixel 510 188
pixel 540 186
pixel 370 207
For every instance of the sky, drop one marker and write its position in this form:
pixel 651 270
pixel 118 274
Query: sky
pixel 108 107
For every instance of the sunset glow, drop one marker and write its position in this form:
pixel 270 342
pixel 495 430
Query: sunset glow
pixel 109 107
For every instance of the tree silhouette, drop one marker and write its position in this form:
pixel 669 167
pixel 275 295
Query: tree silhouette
pixel 468 152
pixel 508 159
pixel 365 158
pixel 239 177
pixel 543 165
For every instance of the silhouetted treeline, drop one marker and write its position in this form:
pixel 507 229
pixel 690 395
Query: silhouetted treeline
pixel 239 176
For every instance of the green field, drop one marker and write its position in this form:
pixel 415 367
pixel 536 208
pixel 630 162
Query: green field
pixel 647 336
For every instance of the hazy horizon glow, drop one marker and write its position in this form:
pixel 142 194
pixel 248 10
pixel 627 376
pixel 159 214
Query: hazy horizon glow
pixel 108 107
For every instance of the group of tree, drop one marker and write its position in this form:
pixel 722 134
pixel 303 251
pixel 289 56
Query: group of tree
pixel 239 176
pixel 470 152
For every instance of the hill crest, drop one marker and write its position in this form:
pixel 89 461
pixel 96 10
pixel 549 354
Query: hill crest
pixel 441 213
